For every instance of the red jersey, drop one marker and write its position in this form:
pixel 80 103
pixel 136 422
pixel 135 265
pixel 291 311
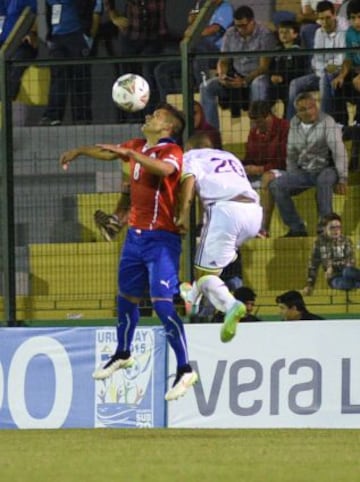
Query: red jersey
pixel 154 198
pixel 268 149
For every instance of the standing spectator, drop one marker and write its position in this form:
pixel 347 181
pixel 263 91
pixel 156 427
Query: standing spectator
pixel 10 11
pixel 72 27
pixel 330 35
pixel 233 215
pixel 292 307
pixel 286 67
pixel 335 253
pixel 316 157
pixel 243 77
pixel 347 82
pixel 142 32
pixel 168 74
pixel 151 253
pixel 265 157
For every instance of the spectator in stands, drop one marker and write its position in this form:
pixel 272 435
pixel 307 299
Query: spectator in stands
pixel 202 126
pixel 316 157
pixel 72 26
pixel 347 82
pixel 248 297
pixel 10 11
pixel 325 66
pixel 335 253
pixel 286 67
pixel 292 307
pixel 142 31
pixel 265 157
pixel 308 20
pixel 168 74
pixel 241 78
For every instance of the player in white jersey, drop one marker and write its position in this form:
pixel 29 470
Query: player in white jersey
pixel 232 215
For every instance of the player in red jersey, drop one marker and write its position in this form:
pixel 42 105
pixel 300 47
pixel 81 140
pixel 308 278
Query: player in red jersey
pixel 151 252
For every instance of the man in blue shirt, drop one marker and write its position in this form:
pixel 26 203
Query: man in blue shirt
pixel 10 11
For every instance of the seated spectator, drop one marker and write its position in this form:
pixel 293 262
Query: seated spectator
pixel 335 253
pixel 248 297
pixel 284 68
pixel 202 126
pixel 292 307
pixel 241 78
pixel 347 82
pixel 325 66
pixel 10 12
pixel 265 157
pixel 316 157
pixel 72 27
pixel 308 20
pixel 168 74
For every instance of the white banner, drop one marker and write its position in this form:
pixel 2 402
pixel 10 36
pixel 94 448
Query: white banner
pixel 284 374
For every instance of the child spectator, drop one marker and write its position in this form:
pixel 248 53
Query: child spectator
pixel 292 307
pixel 335 253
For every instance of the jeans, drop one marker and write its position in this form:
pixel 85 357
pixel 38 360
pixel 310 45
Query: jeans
pixel 292 183
pixel 213 89
pixel 349 279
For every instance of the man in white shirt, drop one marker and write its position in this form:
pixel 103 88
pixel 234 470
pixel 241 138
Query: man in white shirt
pixel 232 215
pixel 325 66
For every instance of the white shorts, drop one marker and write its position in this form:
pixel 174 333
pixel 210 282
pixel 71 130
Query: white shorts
pixel 228 224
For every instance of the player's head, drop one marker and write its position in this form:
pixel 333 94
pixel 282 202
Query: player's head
pixel 200 140
pixel 291 305
pixel 166 121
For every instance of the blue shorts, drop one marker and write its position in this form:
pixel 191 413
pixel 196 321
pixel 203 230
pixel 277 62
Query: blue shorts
pixel 150 261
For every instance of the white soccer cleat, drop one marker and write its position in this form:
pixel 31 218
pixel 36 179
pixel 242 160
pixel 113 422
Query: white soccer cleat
pixel 232 318
pixel 115 363
pixel 181 385
pixel 191 306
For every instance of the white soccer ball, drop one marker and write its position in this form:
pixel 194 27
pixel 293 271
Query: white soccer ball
pixel 131 92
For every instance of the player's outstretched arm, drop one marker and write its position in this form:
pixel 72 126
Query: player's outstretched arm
pixel 95 152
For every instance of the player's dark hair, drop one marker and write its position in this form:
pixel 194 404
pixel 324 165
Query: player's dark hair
pixel 199 140
pixel 353 7
pixel 179 119
pixel 244 12
pixel 292 298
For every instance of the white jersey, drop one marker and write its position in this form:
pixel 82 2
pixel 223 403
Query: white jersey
pixel 219 175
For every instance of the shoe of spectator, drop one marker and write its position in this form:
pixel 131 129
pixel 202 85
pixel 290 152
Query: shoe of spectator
pixel 295 234
pixel 45 121
pixel 232 317
pixel 183 381
pixel 115 363
pixel 263 234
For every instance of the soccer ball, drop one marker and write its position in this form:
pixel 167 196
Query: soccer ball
pixel 131 92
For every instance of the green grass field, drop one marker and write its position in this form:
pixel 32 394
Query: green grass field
pixel 174 455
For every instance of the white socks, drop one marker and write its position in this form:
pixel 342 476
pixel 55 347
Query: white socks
pixel 217 292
